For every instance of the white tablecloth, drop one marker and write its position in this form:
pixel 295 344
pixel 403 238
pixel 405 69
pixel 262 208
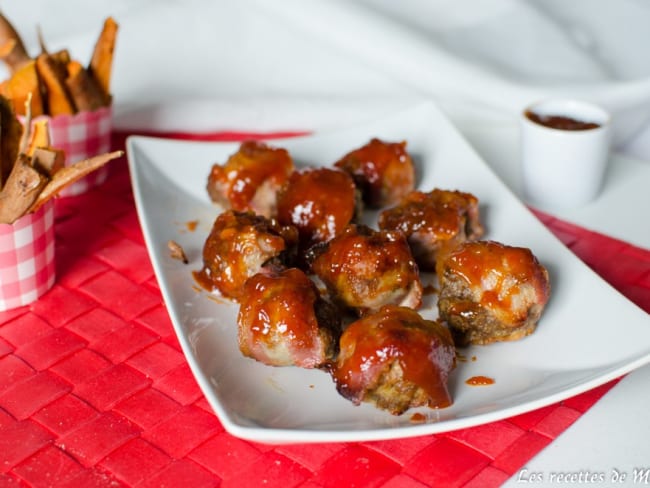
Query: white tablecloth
pixel 487 58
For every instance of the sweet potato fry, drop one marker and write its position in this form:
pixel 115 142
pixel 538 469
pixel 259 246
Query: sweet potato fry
pixel 55 89
pixel 83 88
pixel 6 48
pixel 16 55
pixel 21 190
pixel 61 57
pixel 48 161
pixel 27 126
pixel 41 40
pixel 11 55
pixel 101 62
pixel 10 134
pixel 53 76
pixel 70 174
pixel 20 85
pixel 39 137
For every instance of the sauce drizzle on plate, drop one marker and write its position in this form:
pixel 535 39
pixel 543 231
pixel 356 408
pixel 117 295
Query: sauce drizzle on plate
pixel 479 381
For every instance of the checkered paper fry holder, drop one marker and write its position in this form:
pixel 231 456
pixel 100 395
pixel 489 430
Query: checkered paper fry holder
pixel 27 266
pixel 83 135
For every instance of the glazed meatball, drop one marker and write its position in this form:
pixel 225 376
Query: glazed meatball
pixel 383 171
pixel 238 245
pixel 491 292
pixel 283 321
pixel 434 222
pixel 319 202
pixel 395 360
pixel 250 178
pixel 364 269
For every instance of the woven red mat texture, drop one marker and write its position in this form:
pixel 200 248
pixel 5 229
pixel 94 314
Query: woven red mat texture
pixel 95 391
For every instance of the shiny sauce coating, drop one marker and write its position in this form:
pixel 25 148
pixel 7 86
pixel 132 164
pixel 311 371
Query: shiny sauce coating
pixel 318 202
pixel 498 271
pixel 281 326
pixel 423 348
pixel 363 267
pixel 382 170
pixel 246 170
pixel 439 212
pixel 238 243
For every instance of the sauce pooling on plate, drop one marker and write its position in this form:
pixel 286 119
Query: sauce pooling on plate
pixel 560 122
pixel 479 381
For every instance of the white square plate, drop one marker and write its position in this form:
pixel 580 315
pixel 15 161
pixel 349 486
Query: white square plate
pixel 588 335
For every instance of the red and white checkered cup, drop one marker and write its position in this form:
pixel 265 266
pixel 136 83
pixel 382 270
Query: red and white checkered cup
pixel 27 267
pixel 81 136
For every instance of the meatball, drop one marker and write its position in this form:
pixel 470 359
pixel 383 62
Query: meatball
pixel 365 269
pixel 383 171
pixel 434 222
pixel 250 178
pixel 491 292
pixel 283 321
pixel 319 202
pixel 395 360
pixel 238 245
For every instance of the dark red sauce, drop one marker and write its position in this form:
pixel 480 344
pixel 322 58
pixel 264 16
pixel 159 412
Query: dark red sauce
pixel 479 381
pixel 560 122
pixel 418 418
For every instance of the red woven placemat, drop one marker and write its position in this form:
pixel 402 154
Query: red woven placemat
pixel 94 389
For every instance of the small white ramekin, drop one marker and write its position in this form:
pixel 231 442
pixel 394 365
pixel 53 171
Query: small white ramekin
pixel 564 168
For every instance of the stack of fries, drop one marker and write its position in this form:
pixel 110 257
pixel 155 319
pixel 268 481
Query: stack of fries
pixel 31 171
pixel 52 84
pixel 57 83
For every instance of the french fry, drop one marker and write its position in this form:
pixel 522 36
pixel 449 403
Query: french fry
pixel 61 57
pixel 11 131
pixel 101 62
pixel 52 83
pixel 39 137
pixel 84 90
pixel 35 133
pixel 16 56
pixel 22 188
pixel 38 173
pixel 48 161
pixel 6 48
pixel 71 174
pixel 59 84
pixel 41 40
pixel 27 126
pixel 23 83
pixel 53 76
pixel 11 55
